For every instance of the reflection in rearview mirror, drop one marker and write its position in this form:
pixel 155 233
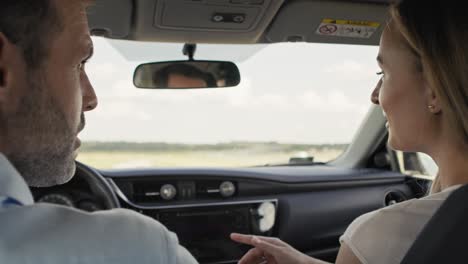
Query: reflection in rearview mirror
pixel 186 75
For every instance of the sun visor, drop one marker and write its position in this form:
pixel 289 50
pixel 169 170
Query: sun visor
pixel 111 18
pixel 204 21
pixel 329 22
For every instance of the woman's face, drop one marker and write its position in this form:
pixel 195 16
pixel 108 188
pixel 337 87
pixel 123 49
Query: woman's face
pixel 402 93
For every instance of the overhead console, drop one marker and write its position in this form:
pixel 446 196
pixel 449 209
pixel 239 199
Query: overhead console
pixel 111 18
pixel 185 21
pixel 240 21
pixel 232 21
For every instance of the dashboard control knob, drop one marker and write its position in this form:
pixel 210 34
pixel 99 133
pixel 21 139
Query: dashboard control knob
pixel 267 214
pixel 168 192
pixel 227 189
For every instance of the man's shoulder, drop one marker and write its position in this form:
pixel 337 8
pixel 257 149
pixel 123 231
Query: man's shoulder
pixel 114 223
pixel 116 236
pixel 70 216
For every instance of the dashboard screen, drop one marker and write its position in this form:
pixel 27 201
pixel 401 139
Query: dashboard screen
pixel 205 231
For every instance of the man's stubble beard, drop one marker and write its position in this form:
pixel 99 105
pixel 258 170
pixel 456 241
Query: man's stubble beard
pixel 40 141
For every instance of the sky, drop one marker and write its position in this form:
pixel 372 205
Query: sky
pixel 290 93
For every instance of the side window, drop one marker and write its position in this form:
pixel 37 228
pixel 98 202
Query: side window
pixel 428 165
pixel 420 166
pixel 417 164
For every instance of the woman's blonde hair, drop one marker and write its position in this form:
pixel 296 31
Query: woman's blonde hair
pixel 438 35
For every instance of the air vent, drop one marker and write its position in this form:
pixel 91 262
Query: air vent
pixel 144 192
pixel 170 191
pixel 394 197
pixel 216 189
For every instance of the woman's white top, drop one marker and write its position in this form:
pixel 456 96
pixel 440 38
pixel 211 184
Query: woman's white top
pixel 384 236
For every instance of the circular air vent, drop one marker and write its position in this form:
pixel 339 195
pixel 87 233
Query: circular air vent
pixel 394 197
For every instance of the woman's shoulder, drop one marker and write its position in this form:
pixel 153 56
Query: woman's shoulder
pixel 421 208
pixel 387 233
pixel 378 221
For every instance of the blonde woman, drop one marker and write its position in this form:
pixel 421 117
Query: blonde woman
pixel 423 92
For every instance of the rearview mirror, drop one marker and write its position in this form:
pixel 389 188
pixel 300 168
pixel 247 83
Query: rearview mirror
pixel 186 75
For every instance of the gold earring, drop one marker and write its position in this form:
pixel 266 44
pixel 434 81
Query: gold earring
pixel 431 107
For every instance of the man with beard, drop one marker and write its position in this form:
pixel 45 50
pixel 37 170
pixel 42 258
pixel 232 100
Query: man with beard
pixel 44 92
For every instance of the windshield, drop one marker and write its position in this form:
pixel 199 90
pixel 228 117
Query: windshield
pixel 297 102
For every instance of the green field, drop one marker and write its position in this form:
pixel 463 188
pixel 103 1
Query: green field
pixel 117 155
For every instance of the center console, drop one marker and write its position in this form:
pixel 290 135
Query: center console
pixel 204 229
pixel 203 213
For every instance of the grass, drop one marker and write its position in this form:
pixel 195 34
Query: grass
pixel 190 156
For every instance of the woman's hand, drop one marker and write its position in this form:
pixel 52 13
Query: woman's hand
pixel 270 250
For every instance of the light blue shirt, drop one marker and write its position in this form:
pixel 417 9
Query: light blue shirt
pixel 49 234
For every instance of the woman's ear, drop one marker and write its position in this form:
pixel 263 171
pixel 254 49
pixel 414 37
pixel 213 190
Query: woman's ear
pixel 434 105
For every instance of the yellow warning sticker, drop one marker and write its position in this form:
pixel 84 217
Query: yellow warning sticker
pixel 351 22
pixel 347 28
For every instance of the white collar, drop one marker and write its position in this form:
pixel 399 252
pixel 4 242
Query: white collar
pixel 12 184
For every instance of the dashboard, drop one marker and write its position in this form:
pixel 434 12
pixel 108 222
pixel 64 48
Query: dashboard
pixel 307 206
pixel 203 211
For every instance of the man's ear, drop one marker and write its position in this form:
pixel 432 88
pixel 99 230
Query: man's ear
pixel 8 52
pixel 2 71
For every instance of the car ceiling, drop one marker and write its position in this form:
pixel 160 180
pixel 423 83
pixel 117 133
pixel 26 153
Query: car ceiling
pixel 262 21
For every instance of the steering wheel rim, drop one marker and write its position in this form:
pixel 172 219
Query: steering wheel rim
pixel 99 185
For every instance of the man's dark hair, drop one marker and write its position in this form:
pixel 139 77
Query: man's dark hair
pixel 30 24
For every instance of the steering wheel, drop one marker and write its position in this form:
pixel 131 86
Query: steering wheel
pixel 99 185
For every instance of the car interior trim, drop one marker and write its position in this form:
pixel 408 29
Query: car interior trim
pixel 125 199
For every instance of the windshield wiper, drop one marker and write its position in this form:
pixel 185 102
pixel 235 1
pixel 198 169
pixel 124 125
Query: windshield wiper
pixel 293 164
pixel 297 161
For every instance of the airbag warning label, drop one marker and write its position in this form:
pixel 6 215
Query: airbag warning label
pixel 347 28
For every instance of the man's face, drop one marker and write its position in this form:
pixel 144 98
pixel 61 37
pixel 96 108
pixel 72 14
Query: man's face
pixel 182 81
pixel 43 115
